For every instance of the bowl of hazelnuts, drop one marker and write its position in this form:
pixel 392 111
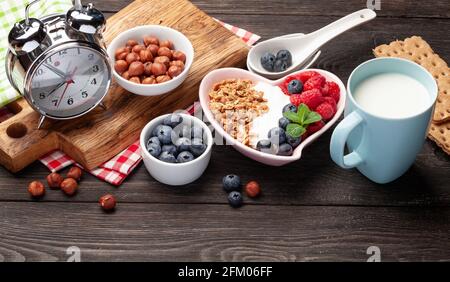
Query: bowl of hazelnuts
pixel 151 60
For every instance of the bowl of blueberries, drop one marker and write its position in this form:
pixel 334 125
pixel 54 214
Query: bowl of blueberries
pixel 176 148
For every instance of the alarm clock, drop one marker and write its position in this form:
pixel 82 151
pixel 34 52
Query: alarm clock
pixel 59 63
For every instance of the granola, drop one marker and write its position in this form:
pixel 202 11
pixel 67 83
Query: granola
pixel 235 104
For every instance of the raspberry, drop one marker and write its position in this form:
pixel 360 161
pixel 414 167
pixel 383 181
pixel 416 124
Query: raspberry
pixel 315 82
pixel 311 98
pixel 333 90
pixel 325 110
pixel 304 76
pixel 314 127
pixel 295 99
pixel 330 101
pixel 284 89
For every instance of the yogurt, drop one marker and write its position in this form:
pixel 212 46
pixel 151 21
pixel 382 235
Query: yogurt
pixel 276 100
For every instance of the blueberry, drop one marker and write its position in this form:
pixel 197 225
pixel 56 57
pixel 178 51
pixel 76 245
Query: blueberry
pixel 231 182
pixel 267 61
pixel 167 157
pixel 154 149
pixel 280 66
pixel 156 130
pixel 197 147
pixel 285 56
pixel 197 132
pixel 277 135
pixel 290 107
pixel 283 122
pixel 184 157
pixel 164 134
pixel 265 146
pixel 285 150
pixel 182 130
pixel 295 86
pixel 294 142
pixel 153 140
pixel 173 120
pixel 171 149
pixel 183 144
pixel 235 199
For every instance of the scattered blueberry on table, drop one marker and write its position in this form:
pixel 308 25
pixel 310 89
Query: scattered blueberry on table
pixel 176 142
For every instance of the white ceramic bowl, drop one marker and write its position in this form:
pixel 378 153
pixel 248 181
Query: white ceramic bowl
pixel 180 42
pixel 175 173
pixel 226 73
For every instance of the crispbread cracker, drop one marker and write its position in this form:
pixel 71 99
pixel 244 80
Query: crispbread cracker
pixel 418 50
pixel 440 133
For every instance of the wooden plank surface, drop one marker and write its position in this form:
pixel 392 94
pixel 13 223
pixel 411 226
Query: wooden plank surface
pixel 310 210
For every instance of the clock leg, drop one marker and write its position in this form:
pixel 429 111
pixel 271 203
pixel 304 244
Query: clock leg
pixel 41 121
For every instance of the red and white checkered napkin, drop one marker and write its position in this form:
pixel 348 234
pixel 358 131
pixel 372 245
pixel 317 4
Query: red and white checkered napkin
pixel 118 168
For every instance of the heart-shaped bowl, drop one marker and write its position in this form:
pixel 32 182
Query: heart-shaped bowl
pixel 219 75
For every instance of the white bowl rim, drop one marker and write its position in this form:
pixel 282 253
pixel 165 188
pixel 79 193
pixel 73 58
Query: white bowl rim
pixel 123 34
pixel 192 118
pixel 297 151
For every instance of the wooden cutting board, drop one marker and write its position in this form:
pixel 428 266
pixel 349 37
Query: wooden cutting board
pixel 101 134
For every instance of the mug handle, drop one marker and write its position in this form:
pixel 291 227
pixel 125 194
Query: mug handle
pixel 339 138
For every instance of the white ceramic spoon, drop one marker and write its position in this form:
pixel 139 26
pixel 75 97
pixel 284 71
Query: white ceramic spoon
pixel 302 47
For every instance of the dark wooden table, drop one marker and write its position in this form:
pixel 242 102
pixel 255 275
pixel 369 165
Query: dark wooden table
pixel 311 209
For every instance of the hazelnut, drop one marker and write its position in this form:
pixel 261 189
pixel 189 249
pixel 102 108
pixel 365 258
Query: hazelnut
pixel 148 68
pixel 179 56
pixel 154 49
pixel 149 80
pixel 163 60
pixel 120 51
pixel 122 56
pixel 179 64
pixel 173 71
pixel 126 75
pixel 36 189
pixel 146 56
pixel 162 78
pixel 69 186
pixel 138 48
pixel 164 51
pixel 75 173
pixel 166 43
pixel 132 57
pixel 54 180
pixel 252 189
pixel 136 69
pixel 120 66
pixel 151 40
pixel 135 79
pixel 158 68
pixel 131 43
pixel 107 202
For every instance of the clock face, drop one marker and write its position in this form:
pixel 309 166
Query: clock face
pixel 69 82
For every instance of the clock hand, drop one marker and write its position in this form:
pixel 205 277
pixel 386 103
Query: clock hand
pixel 69 81
pixel 56 88
pixel 55 70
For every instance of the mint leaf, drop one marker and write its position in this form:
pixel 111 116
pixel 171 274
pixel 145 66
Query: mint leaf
pixel 302 112
pixel 292 117
pixel 295 130
pixel 312 118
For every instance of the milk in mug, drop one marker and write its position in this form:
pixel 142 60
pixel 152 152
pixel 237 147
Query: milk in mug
pixel 392 95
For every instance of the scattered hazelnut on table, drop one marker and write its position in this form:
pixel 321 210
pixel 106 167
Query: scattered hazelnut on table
pixel 69 186
pixel 36 189
pixel 252 189
pixel 107 202
pixel 75 173
pixel 54 180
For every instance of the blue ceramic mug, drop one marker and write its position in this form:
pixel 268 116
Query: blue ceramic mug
pixel 382 148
